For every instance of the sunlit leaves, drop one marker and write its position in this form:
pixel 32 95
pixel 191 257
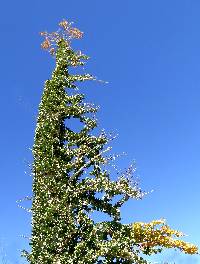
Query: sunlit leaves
pixel 69 169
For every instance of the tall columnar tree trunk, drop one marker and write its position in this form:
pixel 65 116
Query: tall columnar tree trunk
pixel 70 180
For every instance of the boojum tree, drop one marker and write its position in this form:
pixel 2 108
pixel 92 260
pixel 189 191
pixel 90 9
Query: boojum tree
pixel 70 179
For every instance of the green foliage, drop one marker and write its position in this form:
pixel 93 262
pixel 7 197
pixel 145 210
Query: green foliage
pixel 69 171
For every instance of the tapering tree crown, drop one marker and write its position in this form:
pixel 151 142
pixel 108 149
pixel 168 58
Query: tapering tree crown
pixel 70 179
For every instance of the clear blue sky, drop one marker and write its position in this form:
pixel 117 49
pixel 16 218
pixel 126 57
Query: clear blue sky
pixel 149 51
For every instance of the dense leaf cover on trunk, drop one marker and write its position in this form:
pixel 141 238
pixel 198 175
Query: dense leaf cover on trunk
pixel 71 180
